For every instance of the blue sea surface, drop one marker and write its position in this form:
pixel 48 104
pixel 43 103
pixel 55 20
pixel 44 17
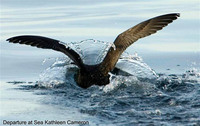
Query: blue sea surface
pixel 159 81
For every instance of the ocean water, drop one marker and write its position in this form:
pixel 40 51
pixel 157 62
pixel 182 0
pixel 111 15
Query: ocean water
pixel 159 78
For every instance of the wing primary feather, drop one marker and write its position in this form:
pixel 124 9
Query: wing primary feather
pixel 131 35
pixel 48 43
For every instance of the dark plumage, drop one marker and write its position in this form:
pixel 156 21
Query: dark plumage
pixel 98 74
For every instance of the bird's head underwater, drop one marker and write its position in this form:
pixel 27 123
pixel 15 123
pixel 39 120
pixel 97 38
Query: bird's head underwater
pixel 91 76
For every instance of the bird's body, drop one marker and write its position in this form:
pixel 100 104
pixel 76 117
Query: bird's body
pixel 91 74
pixel 98 74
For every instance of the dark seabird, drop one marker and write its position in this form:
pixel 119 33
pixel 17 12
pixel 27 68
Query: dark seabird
pixel 98 74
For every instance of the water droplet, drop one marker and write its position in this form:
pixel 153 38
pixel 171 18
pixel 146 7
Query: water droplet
pixel 158 112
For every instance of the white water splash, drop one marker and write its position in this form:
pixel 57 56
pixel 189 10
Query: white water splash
pixel 93 52
pixel 55 74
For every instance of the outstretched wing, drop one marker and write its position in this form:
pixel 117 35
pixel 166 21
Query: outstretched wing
pixel 131 35
pixel 48 43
